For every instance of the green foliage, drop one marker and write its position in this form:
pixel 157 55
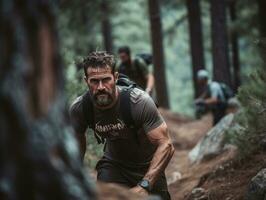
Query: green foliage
pixel 94 151
pixel 252 117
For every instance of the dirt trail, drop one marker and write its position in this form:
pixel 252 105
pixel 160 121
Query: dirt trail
pixel 183 176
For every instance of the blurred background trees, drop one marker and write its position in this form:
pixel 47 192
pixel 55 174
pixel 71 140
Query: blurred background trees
pixel 222 36
pixel 220 53
pixel 196 41
pixel 158 53
pixel 190 40
pixel 39 157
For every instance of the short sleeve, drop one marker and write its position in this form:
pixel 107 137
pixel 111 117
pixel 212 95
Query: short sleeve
pixel 144 111
pixel 215 90
pixel 77 116
pixel 142 65
pixel 150 69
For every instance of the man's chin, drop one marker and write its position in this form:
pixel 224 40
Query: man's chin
pixel 103 105
pixel 103 102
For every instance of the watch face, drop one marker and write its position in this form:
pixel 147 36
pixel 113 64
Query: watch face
pixel 144 183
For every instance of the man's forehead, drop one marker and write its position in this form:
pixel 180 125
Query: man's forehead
pixel 99 71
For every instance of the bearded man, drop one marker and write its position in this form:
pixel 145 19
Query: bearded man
pixel 135 155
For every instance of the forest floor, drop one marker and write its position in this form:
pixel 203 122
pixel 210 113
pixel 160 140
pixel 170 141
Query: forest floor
pixel 223 177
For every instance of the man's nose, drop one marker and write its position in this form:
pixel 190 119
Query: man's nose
pixel 101 86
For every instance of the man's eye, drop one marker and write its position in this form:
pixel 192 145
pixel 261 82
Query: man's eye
pixel 94 81
pixel 107 79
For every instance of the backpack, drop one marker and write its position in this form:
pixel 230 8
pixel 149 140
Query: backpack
pixel 228 93
pixel 125 107
pixel 147 57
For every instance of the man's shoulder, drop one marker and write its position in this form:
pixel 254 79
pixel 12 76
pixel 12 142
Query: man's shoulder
pixel 214 85
pixel 137 95
pixel 76 105
pixel 139 61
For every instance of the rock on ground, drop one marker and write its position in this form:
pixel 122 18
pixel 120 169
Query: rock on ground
pixel 213 142
pixel 257 187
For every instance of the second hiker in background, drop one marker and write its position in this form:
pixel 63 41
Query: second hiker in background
pixel 214 97
pixel 138 69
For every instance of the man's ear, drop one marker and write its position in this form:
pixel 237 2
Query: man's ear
pixel 85 79
pixel 116 74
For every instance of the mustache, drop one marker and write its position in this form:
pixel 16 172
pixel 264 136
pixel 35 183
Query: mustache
pixel 101 92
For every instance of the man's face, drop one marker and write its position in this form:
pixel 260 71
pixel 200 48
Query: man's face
pixel 124 57
pixel 202 81
pixel 101 83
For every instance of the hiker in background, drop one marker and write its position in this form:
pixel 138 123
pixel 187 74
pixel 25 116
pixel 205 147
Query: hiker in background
pixel 138 69
pixel 137 147
pixel 214 96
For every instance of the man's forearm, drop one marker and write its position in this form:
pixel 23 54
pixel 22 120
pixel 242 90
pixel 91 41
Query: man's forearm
pixel 150 83
pixel 211 100
pixel 160 160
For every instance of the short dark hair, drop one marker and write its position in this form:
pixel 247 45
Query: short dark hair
pixel 124 49
pixel 98 59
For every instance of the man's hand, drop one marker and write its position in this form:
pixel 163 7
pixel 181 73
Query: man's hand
pixel 139 190
pixel 199 101
pixel 148 90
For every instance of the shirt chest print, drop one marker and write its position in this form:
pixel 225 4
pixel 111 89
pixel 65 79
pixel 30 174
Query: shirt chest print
pixel 111 129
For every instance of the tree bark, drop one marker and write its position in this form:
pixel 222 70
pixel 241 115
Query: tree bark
pixel 196 41
pixel 158 53
pixel 106 27
pixel 39 157
pixel 262 17
pixel 262 28
pixel 235 49
pixel 221 69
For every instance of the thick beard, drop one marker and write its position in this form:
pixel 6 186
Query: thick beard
pixel 103 100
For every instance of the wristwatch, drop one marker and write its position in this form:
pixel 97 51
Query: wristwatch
pixel 145 184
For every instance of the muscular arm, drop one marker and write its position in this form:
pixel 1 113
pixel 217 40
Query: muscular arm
pixel 150 82
pixel 148 117
pixel 162 155
pixel 211 100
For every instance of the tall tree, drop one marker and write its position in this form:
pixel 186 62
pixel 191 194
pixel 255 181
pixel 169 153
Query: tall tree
pixel 39 158
pixel 106 26
pixel 234 44
pixel 262 17
pixel 158 53
pixel 262 27
pixel 221 69
pixel 196 44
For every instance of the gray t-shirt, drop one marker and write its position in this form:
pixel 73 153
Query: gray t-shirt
pixel 215 90
pixel 123 145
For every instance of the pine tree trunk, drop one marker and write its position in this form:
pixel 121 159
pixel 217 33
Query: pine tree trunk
pixel 158 53
pixel 39 158
pixel 106 27
pixel 262 17
pixel 221 69
pixel 235 49
pixel 196 44
pixel 262 27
